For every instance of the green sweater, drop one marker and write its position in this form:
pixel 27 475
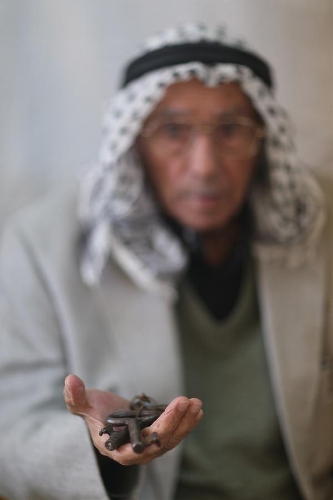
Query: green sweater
pixel 236 452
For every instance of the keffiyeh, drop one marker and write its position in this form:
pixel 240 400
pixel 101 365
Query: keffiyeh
pixel 118 213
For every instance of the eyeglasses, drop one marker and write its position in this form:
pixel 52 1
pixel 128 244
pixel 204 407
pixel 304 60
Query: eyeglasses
pixel 233 137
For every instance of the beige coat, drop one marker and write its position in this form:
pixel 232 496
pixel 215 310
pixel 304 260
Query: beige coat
pixel 122 338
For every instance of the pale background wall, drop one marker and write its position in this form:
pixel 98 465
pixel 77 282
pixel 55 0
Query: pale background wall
pixel 60 61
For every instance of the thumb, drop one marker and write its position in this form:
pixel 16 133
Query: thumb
pixel 75 394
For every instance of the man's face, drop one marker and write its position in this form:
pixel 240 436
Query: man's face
pixel 200 187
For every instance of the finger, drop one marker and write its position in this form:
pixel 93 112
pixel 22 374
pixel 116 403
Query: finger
pixel 172 415
pixel 75 394
pixel 190 420
pixel 180 414
pixel 180 419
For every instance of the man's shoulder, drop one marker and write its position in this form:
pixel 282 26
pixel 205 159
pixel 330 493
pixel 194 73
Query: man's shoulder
pixel 48 230
pixel 48 217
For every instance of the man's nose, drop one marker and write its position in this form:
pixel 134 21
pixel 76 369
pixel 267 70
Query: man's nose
pixel 202 159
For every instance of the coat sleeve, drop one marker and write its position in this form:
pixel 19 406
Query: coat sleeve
pixel 45 452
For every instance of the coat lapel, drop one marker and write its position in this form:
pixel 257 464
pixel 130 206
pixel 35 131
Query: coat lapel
pixel 292 308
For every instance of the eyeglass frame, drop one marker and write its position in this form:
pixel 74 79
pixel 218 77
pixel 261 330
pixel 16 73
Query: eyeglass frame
pixel 209 128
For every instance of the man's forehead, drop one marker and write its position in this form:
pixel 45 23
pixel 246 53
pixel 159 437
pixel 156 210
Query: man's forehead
pixel 194 98
pixel 174 112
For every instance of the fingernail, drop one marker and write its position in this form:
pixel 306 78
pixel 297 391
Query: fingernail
pixel 80 391
pixel 195 408
pixel 183 405
pixel 67 393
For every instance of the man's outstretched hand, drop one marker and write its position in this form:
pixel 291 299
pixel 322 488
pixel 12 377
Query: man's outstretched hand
pixel 179 418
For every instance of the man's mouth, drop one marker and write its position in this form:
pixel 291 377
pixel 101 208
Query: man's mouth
pixel 207 193
pixel 205 198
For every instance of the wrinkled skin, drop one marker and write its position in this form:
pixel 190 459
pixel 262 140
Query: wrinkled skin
pixel 180 417
pixel 200 188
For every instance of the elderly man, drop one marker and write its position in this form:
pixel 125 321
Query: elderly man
pixel 188 271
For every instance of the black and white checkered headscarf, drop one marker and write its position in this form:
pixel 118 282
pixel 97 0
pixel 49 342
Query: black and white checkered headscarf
pixel 117 210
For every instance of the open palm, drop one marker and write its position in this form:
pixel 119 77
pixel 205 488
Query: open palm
pixel 179 418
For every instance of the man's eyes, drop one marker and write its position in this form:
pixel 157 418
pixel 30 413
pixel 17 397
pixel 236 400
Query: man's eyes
pixel 174 130
pixel 184 131
pixel 229 129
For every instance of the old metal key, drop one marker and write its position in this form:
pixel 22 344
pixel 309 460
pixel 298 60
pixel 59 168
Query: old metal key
pixel 126 426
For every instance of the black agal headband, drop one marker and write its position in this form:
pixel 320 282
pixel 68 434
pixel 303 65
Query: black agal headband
pixel 204 52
